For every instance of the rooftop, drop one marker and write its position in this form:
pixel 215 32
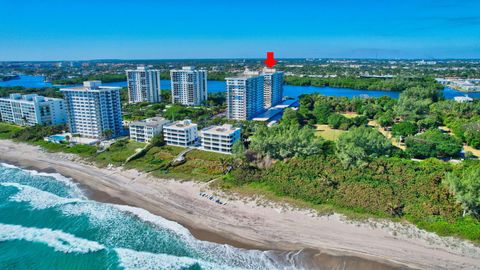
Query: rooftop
pixel 151 122
pixel 142 68
pixel 187 68
pixel 268 115
pixel 245 75
pixel 90 86
pixel 253 73
pixel 184 124
pixel 270 71
pixel 287 103
pixel 224 129
pixel 28 98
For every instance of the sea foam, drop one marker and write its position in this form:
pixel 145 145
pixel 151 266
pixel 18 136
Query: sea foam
pixel 236 258
pixel 58 240
pixel 154 219
pixel 73 189
pixel 136 260
pixel 37 198
pixel 112 218
pixel 99 214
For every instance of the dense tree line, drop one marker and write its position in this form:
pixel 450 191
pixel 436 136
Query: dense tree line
pixel 105 78
pixel 433 143
pixel 316 108
pixel 285 141
pixel 395 84
pixel 465 183
pixel 360 145
pixel 44 91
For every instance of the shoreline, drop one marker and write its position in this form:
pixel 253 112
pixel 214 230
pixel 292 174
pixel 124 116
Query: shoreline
pixel 326 242
pixel 311 258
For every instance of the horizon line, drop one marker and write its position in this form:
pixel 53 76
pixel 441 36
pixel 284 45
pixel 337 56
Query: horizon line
pixel 241 58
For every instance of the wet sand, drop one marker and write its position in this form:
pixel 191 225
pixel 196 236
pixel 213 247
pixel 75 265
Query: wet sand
pixel 325 242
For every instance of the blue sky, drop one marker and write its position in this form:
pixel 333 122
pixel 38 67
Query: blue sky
pixel 147 29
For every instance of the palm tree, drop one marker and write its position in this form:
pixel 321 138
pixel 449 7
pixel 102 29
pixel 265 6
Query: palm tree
pixel 107 133
pixel 24 118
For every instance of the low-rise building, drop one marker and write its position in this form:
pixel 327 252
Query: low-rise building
pixel 275 113
pixel 219 138
pixel 30 110
pixel 145 130
pixel 181 133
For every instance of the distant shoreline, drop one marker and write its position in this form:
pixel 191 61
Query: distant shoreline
pixel 9 78
pixel 289 90
pixel 459 89
pixel 58 84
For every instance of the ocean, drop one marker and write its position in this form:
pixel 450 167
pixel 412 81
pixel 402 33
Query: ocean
pixel 47 222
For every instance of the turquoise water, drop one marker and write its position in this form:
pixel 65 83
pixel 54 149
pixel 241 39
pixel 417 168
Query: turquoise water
pixel 219 86
pixel 46 222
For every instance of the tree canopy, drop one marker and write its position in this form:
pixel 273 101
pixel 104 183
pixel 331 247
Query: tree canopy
pixel 465 184
pixel 404 129
pixel 355 147
pixel 415 102
pixel 433 143
pixel 285 141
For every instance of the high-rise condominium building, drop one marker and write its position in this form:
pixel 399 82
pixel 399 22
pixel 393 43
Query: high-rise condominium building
pixel 245 97
pixel 273 87
pixel 30 110
pixel 189 86
pixel 94 111
pixel 143 85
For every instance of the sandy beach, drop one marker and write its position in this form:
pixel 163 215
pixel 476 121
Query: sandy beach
pixel 327 242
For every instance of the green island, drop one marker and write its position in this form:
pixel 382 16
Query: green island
pixel 105 78
pixel 4 78
pixel 363 157
pixel 362 83
pixel 44 91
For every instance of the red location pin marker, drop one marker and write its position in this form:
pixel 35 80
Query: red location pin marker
pixel 270 61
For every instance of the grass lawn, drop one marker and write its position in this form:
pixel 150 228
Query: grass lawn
pixel 199 165
pixel 51 147
pixel 7 130
pixel 155 159
pixel 118 152
pixel 85 151
pixel 328 133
